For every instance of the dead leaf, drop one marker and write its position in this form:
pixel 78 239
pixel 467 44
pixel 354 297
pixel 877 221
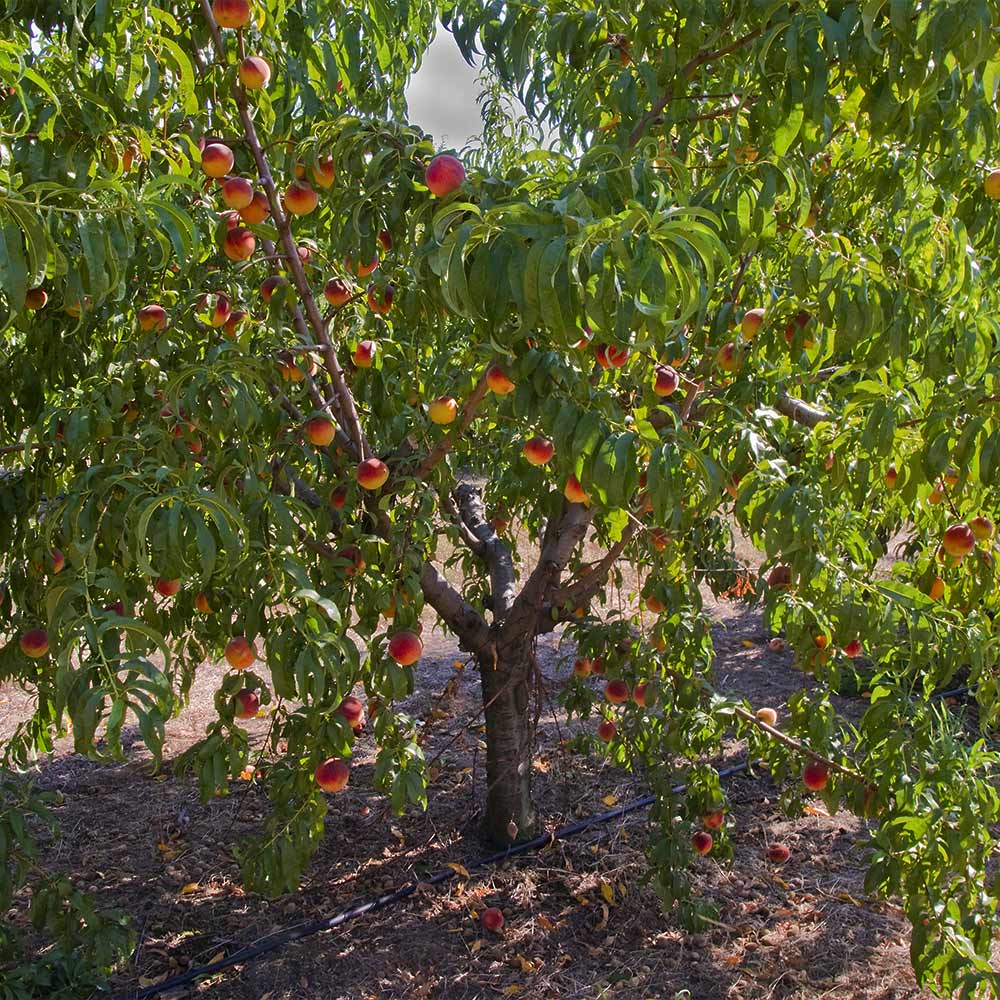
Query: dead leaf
pixel 476 945
pixel 545 923
pixel 509 991
pixel 189 888
pixel 458 869
pixel 217 957
pixel 749 643
pixel 608 893
pixel 819 810
pixel 610 800
pixel 527 965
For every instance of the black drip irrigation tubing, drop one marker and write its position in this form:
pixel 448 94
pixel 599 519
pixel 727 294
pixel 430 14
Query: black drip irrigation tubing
pixel 304 930
pixel 299 931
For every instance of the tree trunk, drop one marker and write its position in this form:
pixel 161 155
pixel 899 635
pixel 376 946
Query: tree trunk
pixel 509 815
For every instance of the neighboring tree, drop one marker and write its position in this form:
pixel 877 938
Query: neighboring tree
pixel 752 285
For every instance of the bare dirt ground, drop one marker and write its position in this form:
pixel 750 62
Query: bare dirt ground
pixel 145 843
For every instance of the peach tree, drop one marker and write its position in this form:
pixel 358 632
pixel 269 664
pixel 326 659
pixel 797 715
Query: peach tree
pixel 280 375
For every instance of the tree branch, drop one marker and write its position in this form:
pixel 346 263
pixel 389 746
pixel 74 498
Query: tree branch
pixel 496 552
pixel 461 617
pixel 801 412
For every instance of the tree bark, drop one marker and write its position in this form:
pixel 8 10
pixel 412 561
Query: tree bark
pixel 509 815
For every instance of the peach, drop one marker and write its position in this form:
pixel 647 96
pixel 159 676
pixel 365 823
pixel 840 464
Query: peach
pixel 372 473
pixel 300 198
pixel 936 496
pixel 891 477
pixel 936 591
pixel 336 292
pixel 644 694
pixel 231 13
pixel 444 174
pixel 667 380
pixel 34 643
pixel 405 648
pixel 362 270
pixel 380 306
pixel 364 354
pixel 992 184
pixel 776 644
pixel 492 919
pixel 166 588
pixel 658 538
pixel 768 716
pixel 319 431
pixel 354 558
pixel 599 667
pixel 239 244
pixel 36 298
pixel 958 541
pixel 338 498
pixel 323 174
pixel 753 319
pixel 221 309
pixel 815 775
pixel 497 380
pixel 729 357
pixel 217 160
pixel 255 73
pixel 780 578
pixel 237 192
pixel 607 730
pixel 385 240
pixel 201 603
pixel 853 648
pixel 713 820
pixel 538 450
pixel 702 842
pixel 270 285
pixel 152 317
pixel 117 607
pixel 290 371
pixel 616 691
pixel 583 667
pixel 950 477
pixel 352 710
pixel 799 322
pixel 778 853
pixel 247 704
pixel 609 356
pixel 240 653
pixel 257 210
pixel 332 775
pixel 982 528
pixel 574 492
pixel 655 605
pixel 443 410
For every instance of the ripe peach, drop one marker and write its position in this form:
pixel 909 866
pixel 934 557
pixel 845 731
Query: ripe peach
pixel 217 160
pixel 616 691
pixel 332 775
pixel 778 853
pixel 982 528
pixel 713 820
pixel 538 450
pixel 323 174
pixel 270 285
pixel 58 560
pixel 497 380
pixel 247 704
pixel 372 473
pixel 667 380
pixel 936 496
pixel 891 477
pixel 729 357
pixel 231 13
pixel 444 174
pixel 364 354
pixel 240 653
pixel 352 710
pixel 607 730
pixel 257 210
pixel 201 603
pixel 443 410
pixel 583 667
pixel 950 477
pixel 574 492
pixel 319 431
pixel 356 561
pixel 853 648
pixel 255 73
pixel 338 497
pixel 598 665
pixel 336 292
pixel 239 244
pixel 701 841
pixel 752 321
pixel 644 694
pixel 799 322
pixel 655 605
pixel 768 716
pixel 385 240
pixel 780 578
pixel 658 538
pixel 35 298
pixel 34 643
pixel 958 540
pixel 237 192
pixel 221 309
pixel 362 270
pixel 936 591
pixel 152 317
pixel 300 198
pixel 492 919
pixel 166 588
pixel 405 648
pixel 815 775
pixel 992 184
pixel 380 306
pixel 609 356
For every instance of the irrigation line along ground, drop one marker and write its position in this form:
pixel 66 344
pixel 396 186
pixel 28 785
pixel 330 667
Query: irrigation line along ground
pixel 309 928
